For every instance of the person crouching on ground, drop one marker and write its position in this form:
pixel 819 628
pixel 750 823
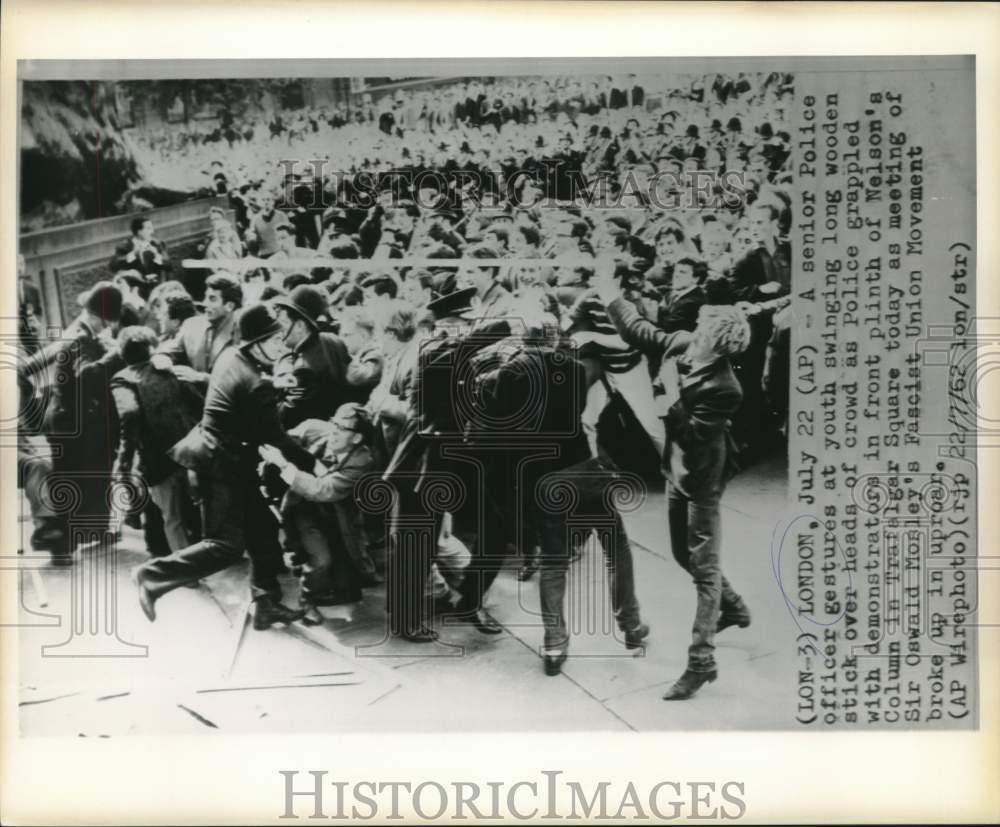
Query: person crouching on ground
pixel 323 525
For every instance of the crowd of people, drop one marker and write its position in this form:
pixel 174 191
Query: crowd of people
pixel 382 381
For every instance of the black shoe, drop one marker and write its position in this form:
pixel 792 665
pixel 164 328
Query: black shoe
pixel 736 617
pixel 311 616
pixel 48 538
pixel 689 683
pixel 553 663
pixel 337 597
pixel 147 599
pixel 421 634
pixel 634 639
pixel 481 620
pixel 60 558
pixel 268 611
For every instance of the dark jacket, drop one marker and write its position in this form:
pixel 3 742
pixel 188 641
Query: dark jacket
pixel 681 312
pixel 55 370
pixel 334 490
pixel 698 448
pixel 240 414
pixel 155 410
pixel 145 262
pixel 761 267
pixel 540 394
pixel 443 397
pixel 319 368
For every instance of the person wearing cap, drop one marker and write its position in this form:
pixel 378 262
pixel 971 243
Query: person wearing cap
pixel 67 373
pixel 317 360
pixel 155 409
pixel 240 415
pixel 322 521
pixel 142 252
pixel 201 339
pixel 421 461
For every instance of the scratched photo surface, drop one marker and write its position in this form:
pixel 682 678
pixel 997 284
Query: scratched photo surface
pixel 631 395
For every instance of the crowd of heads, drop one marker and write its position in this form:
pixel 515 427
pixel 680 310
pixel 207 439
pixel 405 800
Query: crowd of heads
pixel 556 176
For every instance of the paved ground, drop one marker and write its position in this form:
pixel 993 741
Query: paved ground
pixel 345 676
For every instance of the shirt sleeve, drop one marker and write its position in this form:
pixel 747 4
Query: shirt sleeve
pixel 330 487
pixel 643 334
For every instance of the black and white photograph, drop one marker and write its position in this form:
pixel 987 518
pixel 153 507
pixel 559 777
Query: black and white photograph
pixel 376 385
pixel 492 397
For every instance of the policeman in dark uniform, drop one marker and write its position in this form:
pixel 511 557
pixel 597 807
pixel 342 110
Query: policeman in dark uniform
pixel 434 470
pixel 317 361
pixel 240 415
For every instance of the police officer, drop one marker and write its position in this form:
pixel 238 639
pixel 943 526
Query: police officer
pixel 433 450
pixel 240 415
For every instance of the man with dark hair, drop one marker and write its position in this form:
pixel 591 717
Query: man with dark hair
pixel 494 299
pixel 240 415
pixel 318 360
pixel 144 253
pixel 155 409
pixel 679 310
pixel 293 280
pixel 71 375
pixel 668 246
pixel 286 246
pixel 202 339
pixel 175 309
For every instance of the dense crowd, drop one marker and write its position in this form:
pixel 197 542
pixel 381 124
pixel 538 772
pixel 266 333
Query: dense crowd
pixel 481 268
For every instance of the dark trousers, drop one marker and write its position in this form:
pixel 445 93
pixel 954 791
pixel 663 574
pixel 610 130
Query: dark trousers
pixel 412 541
pixel 694 538
pixel 81 481
pixel 482 530
pixel 235 517
pixel 593 510
pixel 313 536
